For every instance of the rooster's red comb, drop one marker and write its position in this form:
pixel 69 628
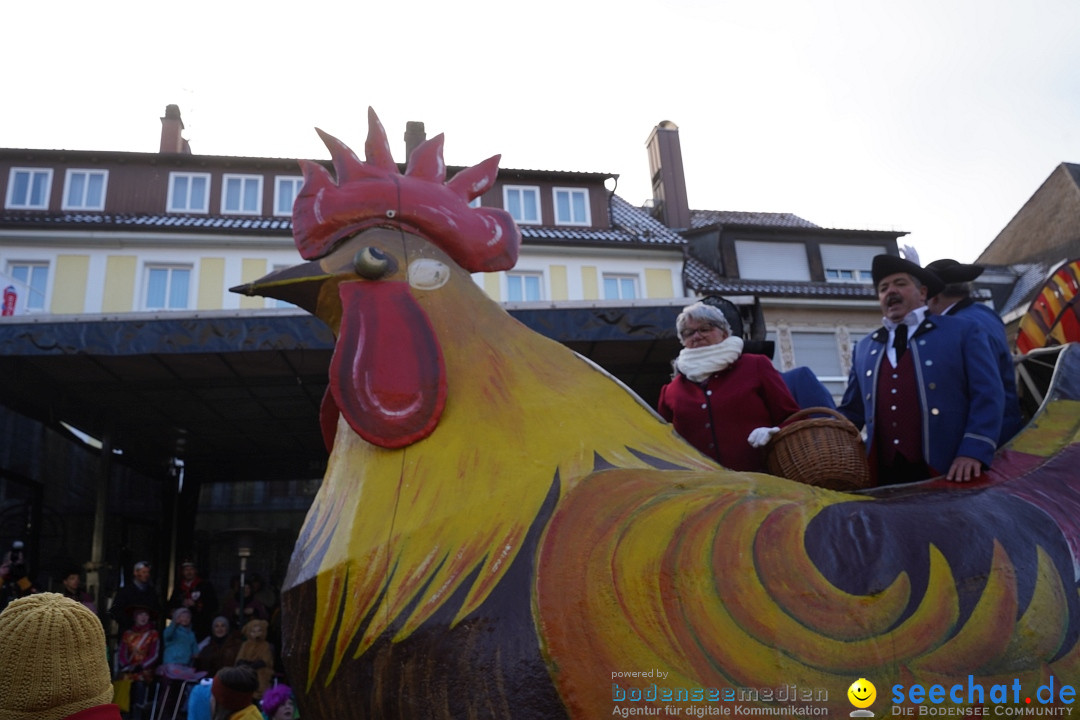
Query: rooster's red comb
pixel 367 194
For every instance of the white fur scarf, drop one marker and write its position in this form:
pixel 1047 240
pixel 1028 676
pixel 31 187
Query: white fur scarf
pixel 697 364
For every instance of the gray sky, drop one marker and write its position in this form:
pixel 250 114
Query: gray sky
pixel 938 117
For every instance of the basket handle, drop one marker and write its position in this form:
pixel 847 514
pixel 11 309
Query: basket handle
pixel 816 411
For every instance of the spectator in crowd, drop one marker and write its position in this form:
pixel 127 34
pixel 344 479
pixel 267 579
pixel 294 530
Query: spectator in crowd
pixel 53 662
pixel 263 593
pixel 241 610
pixel 139 592
pixel 138 656
pixel 221 648
pixel 198 706
pixel 197 595
pixel 927 389
pixel 725 403
pixel 70 582
pixel 257 653
pixel 181 647
pixel 955 299
pixel 232 694
pixel 278 703
pixel 15 579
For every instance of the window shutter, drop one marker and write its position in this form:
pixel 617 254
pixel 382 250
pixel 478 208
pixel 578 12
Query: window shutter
pixel 772 261
pixel 847 257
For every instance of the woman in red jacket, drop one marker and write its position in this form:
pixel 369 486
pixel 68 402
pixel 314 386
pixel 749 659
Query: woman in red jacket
pixel 722 402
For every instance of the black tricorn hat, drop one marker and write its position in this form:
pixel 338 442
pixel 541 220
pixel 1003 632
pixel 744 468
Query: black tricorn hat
pixel 951 271
pixel 883 266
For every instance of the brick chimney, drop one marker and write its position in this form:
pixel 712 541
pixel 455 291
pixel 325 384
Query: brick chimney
pixel 171 125
pixel 670 205
pixel 414 135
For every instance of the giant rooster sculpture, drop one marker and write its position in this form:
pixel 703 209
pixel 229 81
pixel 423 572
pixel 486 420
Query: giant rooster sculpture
pixel 504 531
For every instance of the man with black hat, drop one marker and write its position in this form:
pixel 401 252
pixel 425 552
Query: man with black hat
pixel 955 299
pixel 198 596
pixel 140 591
pixel 926 389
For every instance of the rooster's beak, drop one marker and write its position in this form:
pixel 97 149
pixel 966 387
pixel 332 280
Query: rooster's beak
pixel 299 285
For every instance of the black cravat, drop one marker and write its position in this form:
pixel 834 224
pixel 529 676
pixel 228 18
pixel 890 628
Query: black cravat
pixel 900 341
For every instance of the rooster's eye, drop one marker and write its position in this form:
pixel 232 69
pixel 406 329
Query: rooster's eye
pixel 372 263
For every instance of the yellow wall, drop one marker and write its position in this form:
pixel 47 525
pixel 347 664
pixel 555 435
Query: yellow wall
pixel 119 291
pixel 252 269
pixel 658 283
pixel 69 284
pixel 590 283
pixel 491 286
pixel 560 288
pixel 211 283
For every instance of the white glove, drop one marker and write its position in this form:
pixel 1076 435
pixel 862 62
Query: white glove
pixel 760 436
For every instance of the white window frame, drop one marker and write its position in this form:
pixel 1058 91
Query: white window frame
pixel 243 180
pixel 297 181
pixel 66 203
pixel 12 264
pixel 523 275
pixel 535 190
pixel 857 276
pixel 170 204
pixel 26 204
pixel 619 278
pixel 843 255
pixel 145 297
pixel 571 191
pixel 475 202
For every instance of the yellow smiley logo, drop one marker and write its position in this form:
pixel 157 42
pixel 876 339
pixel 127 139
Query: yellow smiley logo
pixel 862 693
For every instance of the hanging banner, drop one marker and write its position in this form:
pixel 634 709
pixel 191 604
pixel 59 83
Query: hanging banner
pixel 1054 315
pixel 10 298
pixel 15 295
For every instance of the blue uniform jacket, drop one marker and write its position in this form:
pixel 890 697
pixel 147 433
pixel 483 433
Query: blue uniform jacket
pixel 960 394
pixel 1012 422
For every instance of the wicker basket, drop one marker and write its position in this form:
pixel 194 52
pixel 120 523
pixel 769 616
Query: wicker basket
pixel 823 451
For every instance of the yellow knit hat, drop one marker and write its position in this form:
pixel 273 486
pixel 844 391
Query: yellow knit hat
pixel 52 659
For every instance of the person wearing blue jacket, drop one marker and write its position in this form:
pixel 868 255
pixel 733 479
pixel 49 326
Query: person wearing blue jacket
pixel 955 299
pixel 927 389
pixel 181 647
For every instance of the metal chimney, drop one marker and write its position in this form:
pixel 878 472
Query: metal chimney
pixel 414 135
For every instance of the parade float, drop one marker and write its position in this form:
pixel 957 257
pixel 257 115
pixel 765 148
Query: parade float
pixel 504 531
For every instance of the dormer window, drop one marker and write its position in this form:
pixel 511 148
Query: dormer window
pixel 848 263
pixel 85 189
pixel 285 191
pixel 189 192
pixel 28 188
pixel 523 203
pixel 571 206
pixel 241 194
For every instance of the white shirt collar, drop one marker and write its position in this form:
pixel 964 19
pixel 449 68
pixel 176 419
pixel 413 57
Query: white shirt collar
pixel 913 319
